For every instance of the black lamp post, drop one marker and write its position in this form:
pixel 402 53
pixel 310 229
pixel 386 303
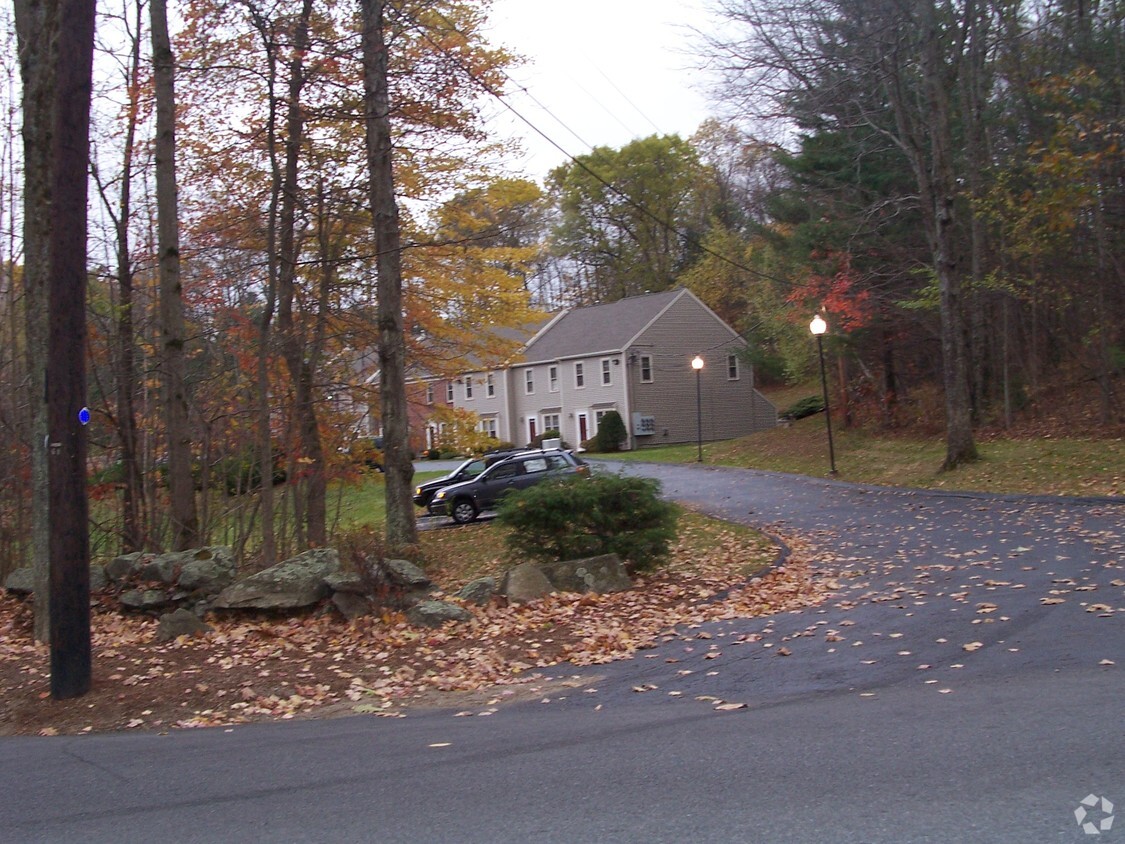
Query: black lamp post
pixel 818 326
pixel 697 365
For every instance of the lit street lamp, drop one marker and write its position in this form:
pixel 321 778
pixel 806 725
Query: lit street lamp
pixel 818 326
pixel 697 365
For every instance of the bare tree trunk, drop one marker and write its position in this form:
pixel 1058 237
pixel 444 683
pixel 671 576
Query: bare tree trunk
pixel 401 527
pixel 265 325
pixel 939 189
pixel 973 98
pixel 310 507
pixel 36 23
pixel 133 533
pixel 181 488
pixel 926 136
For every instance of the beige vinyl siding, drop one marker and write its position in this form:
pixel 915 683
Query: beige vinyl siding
pixel 491 407
pixel 730 408
pixel 569 401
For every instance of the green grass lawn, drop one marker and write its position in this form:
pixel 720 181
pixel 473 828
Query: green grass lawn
pixel 1053 466
pixel 363 504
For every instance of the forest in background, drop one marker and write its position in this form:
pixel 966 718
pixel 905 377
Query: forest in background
pixel 943 181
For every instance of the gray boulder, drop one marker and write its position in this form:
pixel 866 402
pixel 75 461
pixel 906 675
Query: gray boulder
pixel 405 573
pixel 295 583
pixel 526 582
pixel 594 574
pixel 180 623
pixel 161 569
pixel 207 571
pixel 346 581
pixel 123 567
pixel 479 591
pixel 20 582
pixel 144 600
pixel 351 605
pixel 436 613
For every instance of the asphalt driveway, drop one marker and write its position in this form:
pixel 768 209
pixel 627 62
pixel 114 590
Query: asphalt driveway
pixel 964 683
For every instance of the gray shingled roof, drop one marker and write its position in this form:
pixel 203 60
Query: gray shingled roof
pixel 599 328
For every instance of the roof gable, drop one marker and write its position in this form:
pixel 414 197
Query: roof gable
pixel 599 328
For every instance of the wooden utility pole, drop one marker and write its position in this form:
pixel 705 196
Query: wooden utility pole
pixel 66 355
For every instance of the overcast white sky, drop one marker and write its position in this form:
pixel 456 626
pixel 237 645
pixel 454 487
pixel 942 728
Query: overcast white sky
pixel 601 72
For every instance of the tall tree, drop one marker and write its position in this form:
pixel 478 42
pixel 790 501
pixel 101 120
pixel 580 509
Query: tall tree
pixel 36 26
pixel 120 213
pixel 888 70
pixel 181 487
pixel 311 508
pixel 399 469
pixel 623 215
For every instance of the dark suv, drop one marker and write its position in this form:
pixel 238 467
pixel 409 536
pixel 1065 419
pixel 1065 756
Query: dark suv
pixel 465 472
pixel 464 501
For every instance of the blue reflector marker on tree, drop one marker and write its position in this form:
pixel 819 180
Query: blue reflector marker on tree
pixel 84 416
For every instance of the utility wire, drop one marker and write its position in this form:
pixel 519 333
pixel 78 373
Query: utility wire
pixel 499 97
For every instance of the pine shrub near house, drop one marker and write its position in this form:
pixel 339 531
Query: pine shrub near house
pixel 578 517
pixel 611 432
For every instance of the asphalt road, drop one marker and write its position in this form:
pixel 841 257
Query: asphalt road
pixel 879 726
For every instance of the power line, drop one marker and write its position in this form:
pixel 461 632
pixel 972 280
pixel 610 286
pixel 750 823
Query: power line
pixel 487 88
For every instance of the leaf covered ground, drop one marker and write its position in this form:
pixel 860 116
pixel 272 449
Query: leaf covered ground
pixel 261 667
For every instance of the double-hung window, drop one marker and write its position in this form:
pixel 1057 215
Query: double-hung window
pixel 646 369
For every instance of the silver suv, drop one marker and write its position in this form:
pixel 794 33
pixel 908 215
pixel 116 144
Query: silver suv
pixel 465 501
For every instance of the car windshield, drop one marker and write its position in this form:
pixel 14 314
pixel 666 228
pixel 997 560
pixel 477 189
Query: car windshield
pixel 472 468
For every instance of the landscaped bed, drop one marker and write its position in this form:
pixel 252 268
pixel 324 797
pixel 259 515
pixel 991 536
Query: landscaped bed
pixel 256 667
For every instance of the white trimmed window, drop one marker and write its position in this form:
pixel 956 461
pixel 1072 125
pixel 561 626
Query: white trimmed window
pixel 468 387
pixel 646 369
pixel 607 372
pixel 579 375
pixel 553 378
pixel 529 381
pixel 449 392
pixel 551 422
pixel 429 394
pixel 490 386
pixel 732 367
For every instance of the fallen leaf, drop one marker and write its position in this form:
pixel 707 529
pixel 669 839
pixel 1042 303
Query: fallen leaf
pixel 972 646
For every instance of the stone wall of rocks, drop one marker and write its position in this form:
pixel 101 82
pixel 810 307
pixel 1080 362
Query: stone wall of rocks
pixel 182 587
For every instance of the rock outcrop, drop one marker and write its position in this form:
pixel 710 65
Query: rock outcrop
pixel 296 583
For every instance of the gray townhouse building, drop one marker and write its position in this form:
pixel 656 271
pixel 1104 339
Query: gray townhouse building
pixel 632 356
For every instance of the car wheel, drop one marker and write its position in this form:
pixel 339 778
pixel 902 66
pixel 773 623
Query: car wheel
pixel 464 511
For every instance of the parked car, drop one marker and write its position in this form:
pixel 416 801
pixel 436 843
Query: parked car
pixel 465 501
pixel 468 470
